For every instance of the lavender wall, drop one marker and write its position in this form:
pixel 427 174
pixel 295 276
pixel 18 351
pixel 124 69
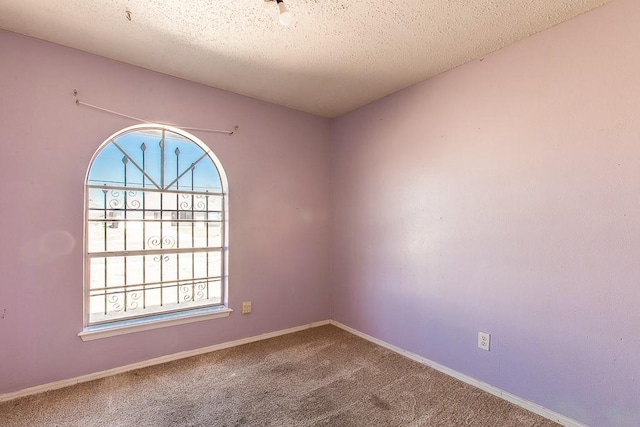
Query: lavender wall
pixel 504 196
pixel 278 170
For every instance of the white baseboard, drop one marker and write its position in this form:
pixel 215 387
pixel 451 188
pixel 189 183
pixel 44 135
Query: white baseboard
pixel 155 361
pixel 530 406
pixel 523 403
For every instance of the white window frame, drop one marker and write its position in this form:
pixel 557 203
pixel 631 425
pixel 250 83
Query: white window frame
pixel 161 319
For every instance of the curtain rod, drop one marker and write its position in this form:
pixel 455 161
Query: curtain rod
pixel 106 110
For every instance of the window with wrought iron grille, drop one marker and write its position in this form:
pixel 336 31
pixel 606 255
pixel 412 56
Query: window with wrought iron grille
pixel 156 228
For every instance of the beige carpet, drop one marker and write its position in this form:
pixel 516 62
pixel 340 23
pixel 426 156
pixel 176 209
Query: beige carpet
pixel 319 377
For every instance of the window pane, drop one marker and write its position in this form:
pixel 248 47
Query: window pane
pixel 215 291
pixel 215 234
pixel 215 203
pixel 187 264
pixel 215 264
pixel 96 239
pixel 97 265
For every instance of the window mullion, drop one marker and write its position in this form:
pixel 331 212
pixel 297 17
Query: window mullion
pixel 178 223
pixel 125 161
pixel 143 149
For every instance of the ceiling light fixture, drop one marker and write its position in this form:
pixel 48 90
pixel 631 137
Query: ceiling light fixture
pixel 286 17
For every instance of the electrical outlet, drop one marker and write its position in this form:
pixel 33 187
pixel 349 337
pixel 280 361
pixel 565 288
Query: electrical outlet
pixel 484 340
pixel 246 307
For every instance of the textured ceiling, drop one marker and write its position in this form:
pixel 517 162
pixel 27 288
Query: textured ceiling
pixel 336 56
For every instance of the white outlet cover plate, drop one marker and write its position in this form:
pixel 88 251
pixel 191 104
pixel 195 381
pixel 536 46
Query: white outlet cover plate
pixel 484 340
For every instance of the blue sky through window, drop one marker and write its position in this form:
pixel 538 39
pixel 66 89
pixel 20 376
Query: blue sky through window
pixel 179 154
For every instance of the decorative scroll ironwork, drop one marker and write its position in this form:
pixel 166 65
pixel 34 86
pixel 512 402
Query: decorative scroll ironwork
pixel 155 233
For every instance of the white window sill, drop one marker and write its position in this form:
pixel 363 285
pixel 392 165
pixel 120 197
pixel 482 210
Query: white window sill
pixel 91 333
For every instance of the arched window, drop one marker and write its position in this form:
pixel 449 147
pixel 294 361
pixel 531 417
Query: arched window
pixel 156 229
